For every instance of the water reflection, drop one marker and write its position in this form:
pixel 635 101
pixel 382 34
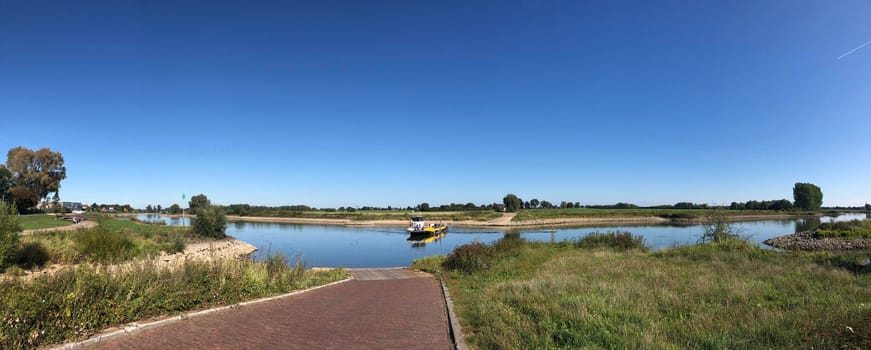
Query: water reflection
pixel 807 224
pixel 420 240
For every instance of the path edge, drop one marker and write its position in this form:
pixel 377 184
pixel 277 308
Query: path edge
pixel 134 327
pixel 456 332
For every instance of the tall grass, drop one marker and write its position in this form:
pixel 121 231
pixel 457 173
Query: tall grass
pixel 74 304
pixel 853 229
pixel 729 294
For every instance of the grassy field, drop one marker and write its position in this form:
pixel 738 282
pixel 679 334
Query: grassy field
pixel 690 214
pixel 365 215
pixel 522 295
pixel 39 221
pixel 74 304
pixel 113 241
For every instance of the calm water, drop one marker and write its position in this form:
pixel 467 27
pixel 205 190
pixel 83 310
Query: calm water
pixel 326 245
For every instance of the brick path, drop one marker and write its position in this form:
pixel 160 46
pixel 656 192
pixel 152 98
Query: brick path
pixel 380 308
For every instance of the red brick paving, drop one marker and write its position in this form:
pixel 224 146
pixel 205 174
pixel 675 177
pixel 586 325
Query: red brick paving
pixel 407 313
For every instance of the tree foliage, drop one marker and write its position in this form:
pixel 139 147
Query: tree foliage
pixel 40 171
pixel 9 229
pixel 512 203
pixel 211 221
pixel 174 209
pixel 23 198
pixel 6 183
pixel 807 196
pixel 197 202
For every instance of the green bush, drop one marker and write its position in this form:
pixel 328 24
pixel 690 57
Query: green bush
pixel 32 254
pixel 468 257
pixel 210 222
pixel 9 229
pixel 616 239
pixel 845 229
pixel 101 245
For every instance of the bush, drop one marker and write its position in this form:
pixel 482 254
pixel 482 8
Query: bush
pixel 210 222
pixel 9 229
pixel 468 258
pixel 101 245
pixel 32 254
pixel 845 229
pixel 616 239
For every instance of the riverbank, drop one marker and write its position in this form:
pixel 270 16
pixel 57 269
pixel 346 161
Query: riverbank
pixel 807 240
pixel 517 294
pixel 513 222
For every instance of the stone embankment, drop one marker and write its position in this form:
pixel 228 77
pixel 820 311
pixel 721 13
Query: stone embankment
pixel 806 241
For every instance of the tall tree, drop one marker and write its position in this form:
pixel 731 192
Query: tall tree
pixel 807 196
pixel 40 171
pixel 6 183
pixel 23 198
pixel 534 202
pixel 198 201
pixel 512 203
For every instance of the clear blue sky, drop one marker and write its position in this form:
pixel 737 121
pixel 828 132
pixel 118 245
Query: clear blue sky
pixel 400 102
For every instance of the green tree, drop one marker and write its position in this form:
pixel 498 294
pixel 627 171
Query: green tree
pixel 6 183
pixel 174 209
pixel 148 208
pixel 159 208
pixel 512 203
pixel 9 229
pixel 40 171
pixel 197 202
pixel 807 196
pixel 424 206
pixel 534 203
pixel 546 204
pixel 211 221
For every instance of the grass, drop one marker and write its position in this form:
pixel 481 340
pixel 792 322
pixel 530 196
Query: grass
pixel 685 214
pixel 112 241
pixel 75 304
pixel 39 221
pixel 714 296
pixel 367 215
pixel 849 229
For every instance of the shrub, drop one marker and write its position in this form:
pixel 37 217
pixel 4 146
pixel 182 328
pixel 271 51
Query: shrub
pixel 101 245
pixel 845 229
pixel 32 254
pixel 616 239
pixel 210 222
pixel 468 258
pixel 9 229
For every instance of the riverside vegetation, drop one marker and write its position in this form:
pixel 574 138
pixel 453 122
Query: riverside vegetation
pixel 606 290
pixel 94 294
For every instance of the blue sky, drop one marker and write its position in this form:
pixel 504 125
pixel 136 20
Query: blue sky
pixel 400 102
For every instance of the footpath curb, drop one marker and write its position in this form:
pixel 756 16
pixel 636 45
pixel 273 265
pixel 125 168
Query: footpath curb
pixel 134 327
pixel 456 331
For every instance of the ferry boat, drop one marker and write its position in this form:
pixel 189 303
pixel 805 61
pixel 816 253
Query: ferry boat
pixel 419 226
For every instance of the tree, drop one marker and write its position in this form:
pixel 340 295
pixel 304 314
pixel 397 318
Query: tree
pixel 6 183
pixel 40 171
pixel 9 229
pixel 23 198
pixel 512 203
pixel 534 203
pixel 197 202
pixel 546 204
pixel 807 196
pixel 174 209
pixel 210 222
pixel 718 228
pixel 424 206
pixel 159 208
pixel 148 208
pixel 867 207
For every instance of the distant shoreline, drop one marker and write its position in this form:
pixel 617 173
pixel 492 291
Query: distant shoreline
pixel 500 222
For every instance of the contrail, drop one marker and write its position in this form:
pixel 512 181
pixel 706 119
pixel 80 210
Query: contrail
pixel 853 50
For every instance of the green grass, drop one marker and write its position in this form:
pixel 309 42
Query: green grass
pixel 850 229
pixel 112 241
pixel 714 296
pixel 367 215
pixel 686 214
pixel 35 222
pixel 75 304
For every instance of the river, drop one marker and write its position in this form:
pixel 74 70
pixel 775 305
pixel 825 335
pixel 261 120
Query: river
pixel 373 246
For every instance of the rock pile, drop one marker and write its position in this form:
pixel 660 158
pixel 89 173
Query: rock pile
pixel 806 241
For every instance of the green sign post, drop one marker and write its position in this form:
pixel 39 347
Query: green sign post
pixel 182 209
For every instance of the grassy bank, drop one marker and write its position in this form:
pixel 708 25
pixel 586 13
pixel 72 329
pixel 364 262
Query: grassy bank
pixel 519 295
pixel 112 241
pixel 39 221
pixel 370 215
pixel 74 304
pixel 688 214
pixel 849 229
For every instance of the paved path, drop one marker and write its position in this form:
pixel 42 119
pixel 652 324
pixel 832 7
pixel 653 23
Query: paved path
pixel 379 309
